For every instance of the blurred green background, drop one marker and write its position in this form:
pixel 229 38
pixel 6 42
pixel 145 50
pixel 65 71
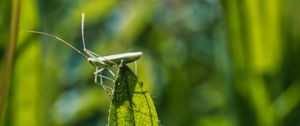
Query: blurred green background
pixel 205 62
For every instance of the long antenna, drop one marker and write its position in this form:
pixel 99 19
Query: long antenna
pixel 88 52
pixel 65 42
pixel 82 30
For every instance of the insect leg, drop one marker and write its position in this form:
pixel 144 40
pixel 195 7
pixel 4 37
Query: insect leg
pixel 121 63
pixel 110 71
pixel 101 83
pixel 96 73
pixel 98 70
pixel 105 87
pixel 106 78
pixel 101 80
pixel 91 53
pixel 135 67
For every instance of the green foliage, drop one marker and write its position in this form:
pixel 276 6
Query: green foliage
pixel 206 62
pixel 131 104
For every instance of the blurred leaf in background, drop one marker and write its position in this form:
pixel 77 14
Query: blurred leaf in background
pixel 206 62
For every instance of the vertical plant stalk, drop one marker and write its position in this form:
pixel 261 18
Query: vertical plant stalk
pixel 9 56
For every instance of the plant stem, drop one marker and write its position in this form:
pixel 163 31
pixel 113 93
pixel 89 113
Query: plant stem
pixel 9 57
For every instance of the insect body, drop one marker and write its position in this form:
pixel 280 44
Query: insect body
pixel 99 62
pixel 116 59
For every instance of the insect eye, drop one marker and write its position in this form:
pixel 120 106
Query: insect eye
pixel 89 60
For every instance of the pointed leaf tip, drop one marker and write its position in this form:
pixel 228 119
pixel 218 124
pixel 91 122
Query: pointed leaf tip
pixel 131 105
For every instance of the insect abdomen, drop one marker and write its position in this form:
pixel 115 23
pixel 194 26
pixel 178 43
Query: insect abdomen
pixel 116 59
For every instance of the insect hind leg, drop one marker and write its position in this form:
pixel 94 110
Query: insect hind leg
pixel 111 72
pixel 98 73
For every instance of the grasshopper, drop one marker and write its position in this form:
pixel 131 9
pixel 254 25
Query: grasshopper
pixel 99 62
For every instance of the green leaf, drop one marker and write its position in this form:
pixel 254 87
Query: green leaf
pixel 131 104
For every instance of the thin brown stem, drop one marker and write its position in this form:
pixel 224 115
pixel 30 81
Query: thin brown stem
pixel 6 76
